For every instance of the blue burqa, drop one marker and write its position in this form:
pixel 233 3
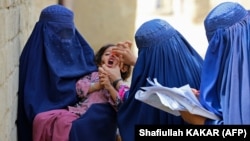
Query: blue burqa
pixel 53 59
pixel 225 80
pixel 164 54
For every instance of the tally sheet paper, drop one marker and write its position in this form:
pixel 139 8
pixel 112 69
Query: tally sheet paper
pixel 172 100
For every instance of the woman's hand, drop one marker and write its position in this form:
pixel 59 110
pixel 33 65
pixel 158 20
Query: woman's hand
pixel 192 118
pixel 124 52
pixel 196 92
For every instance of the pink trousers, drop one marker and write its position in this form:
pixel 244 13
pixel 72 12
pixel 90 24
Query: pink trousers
pixel 53 125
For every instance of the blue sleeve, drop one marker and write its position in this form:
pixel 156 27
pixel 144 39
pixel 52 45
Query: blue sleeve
pixel 213 122
pixel 126 95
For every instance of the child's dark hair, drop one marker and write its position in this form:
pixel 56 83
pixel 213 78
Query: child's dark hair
pixel 98 60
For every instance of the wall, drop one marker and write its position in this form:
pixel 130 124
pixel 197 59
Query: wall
pixel 17 20
pixel 108 21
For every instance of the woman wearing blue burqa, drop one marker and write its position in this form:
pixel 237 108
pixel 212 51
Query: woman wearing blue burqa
pixel 53 59
pixel 164 54
pixel 225 80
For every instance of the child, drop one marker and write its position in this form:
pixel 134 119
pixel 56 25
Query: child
pixel 56 124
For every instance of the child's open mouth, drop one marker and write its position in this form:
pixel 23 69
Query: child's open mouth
pixel 110 63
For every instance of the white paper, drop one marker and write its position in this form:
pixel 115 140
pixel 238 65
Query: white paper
pixel 172 100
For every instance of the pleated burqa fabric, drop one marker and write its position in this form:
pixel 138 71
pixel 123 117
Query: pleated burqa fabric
pixel 225 83
pixel 164 54
pixel 53 59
